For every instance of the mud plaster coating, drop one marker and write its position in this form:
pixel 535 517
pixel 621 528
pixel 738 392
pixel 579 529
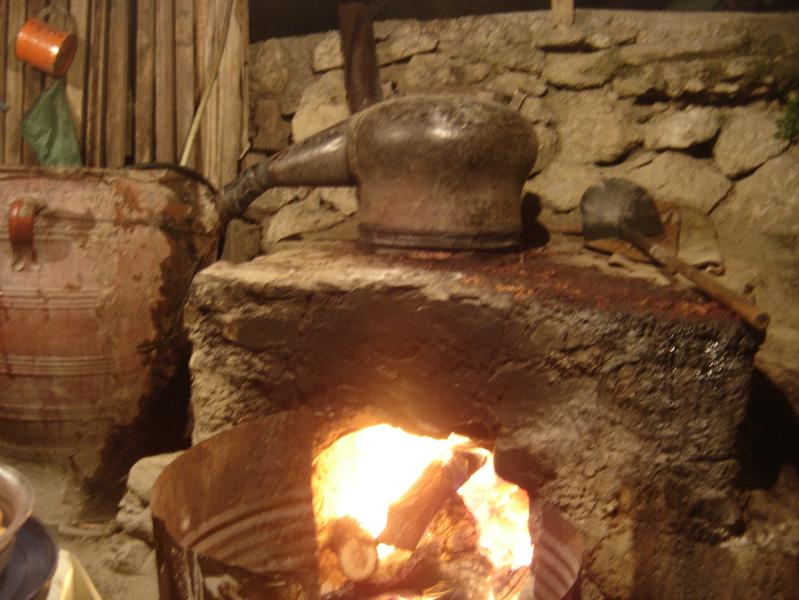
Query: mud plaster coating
pixel 624 418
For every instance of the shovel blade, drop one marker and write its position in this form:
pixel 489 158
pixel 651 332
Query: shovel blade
pixel 614 206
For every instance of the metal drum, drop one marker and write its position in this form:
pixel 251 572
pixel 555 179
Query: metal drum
pixel 237 510
pixel 94 267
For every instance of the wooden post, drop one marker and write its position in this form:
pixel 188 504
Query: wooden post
pixel 33 82
pixel 563 12
pixel 145 81
pixel 360 57
pixel 165 148
pixel 76 76
pixel 3 46
pixel 96 99
pixel 184 75
pixel 117 84
pixel 15 90
pixel 231 97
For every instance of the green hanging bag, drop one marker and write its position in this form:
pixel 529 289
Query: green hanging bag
pixel 49 129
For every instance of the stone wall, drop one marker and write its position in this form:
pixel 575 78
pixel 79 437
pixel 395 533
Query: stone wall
pixel 684 104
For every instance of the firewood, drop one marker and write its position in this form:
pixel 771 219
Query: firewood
pixel 419 572
pixel 355 549
pixel 510 583
pixel 410 516
pixel 454 530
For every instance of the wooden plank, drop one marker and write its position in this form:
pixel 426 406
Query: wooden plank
pixel 201 61
pixel 244 19
pixel 117 83
pixel 165 148
pixel 211 13
pixel 33 81
pixel 185 99
pixel 3 46
pixel 563 12
pixel 145 80
pixel 78 72
pixel 230 99
pixel 15 89
pixel 96 99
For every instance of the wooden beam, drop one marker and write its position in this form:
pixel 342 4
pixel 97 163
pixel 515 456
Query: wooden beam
pixel 77 74
pixel 231 88
pixel 15 87
pixel 3 46
pixel 117 84
pixel 96 88
pixel 184 76
pixel 563 12
pixel 145 81
pixel 33 83
pixel 165 143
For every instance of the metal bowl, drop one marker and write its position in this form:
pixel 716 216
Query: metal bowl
pixel 16 504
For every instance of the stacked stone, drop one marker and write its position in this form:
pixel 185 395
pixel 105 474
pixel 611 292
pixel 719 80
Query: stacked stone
pixel 684 104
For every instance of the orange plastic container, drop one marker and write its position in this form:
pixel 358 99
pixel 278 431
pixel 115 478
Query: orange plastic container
pixel 46 48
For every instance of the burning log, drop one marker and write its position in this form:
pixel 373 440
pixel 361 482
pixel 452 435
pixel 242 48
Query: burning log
pixel 417 573
pixel 355 550
pixel 411 515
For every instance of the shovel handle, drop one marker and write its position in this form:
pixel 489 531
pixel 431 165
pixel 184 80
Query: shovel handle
pixel 735 302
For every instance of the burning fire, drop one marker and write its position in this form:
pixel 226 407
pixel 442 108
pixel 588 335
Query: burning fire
pixel 364 473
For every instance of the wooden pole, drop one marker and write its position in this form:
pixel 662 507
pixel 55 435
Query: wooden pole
pixel 33 82
pixel 145 81
pixel 3 46
pixel 77 74
pixel 203 48
pixel 360 56
pixel 96 100
pixel 117 83
pixel 563 12
pixel 230 96
pixel 165 149
pixel 184 76
pixel 15 90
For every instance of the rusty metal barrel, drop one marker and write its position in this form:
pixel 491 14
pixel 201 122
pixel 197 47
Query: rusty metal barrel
pixel 94 268
pixel 233 517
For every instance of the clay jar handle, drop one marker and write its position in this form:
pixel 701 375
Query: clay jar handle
pixel 20 220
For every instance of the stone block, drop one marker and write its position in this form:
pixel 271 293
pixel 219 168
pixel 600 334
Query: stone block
pixel 561 184
pixel 509 83
pixel 270 132
pixel 747 140
pixel 306 215
pixel 327 54
pixel 406 40
pixel 596 127
pixel 682 129
pixel 581 71
pixel 682 179
pixel 242 241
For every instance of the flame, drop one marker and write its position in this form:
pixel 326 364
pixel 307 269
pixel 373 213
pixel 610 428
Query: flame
pixel 363 473
pixel 502 511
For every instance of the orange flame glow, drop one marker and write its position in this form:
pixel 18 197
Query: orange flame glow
pixel 501 510
pixel 363 473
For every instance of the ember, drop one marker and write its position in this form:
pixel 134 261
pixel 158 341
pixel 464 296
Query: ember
pixel 407 516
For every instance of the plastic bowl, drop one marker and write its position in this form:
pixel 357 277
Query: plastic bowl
pixel 16 504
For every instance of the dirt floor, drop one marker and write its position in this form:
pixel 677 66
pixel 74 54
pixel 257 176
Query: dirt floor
pixel 88 530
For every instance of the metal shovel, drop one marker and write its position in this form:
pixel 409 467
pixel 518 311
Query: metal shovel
pixel 617 208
